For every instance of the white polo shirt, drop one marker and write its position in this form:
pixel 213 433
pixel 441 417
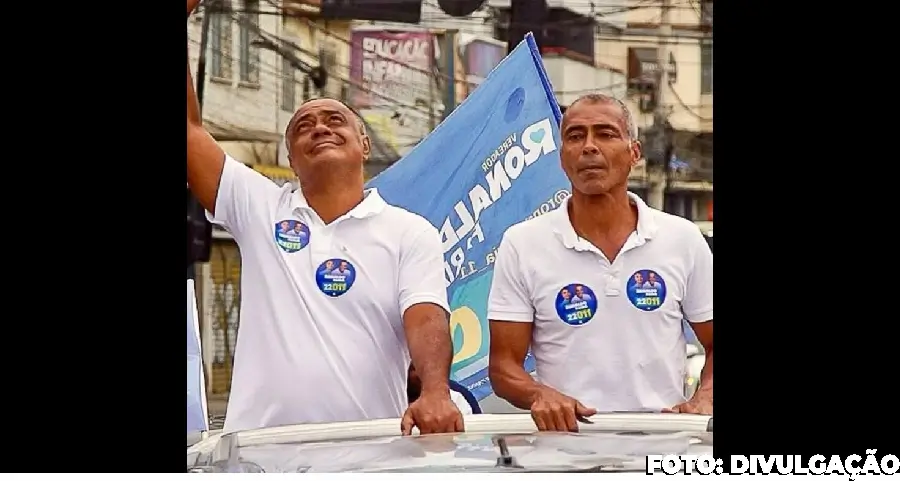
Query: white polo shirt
pixel 609 335
pixel 321 335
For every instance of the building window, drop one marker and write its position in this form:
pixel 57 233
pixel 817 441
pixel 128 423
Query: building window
pixel 706 67
pixel 307 89
pixel 288 84
pixel 220 43
pixel 249 27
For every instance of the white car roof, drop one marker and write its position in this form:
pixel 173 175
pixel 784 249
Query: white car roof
pixel 376 445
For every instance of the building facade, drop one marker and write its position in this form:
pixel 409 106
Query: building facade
pixel 641 40
pixel 619 48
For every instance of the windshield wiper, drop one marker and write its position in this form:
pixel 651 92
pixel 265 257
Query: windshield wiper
pixel 506 460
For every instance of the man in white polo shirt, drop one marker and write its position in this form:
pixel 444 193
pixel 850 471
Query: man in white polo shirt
pixel 339 289
pixel 598 289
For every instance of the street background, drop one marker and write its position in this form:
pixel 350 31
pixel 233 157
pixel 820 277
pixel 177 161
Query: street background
pixel 404 68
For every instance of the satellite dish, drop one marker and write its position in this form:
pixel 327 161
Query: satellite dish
pixel 460 8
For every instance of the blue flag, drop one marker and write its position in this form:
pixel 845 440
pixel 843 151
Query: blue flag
pixel 197 419
pixel 492 163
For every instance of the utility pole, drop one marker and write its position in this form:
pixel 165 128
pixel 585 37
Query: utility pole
pixel 204 46
pixel 450 56
pixel 432 80
pixel 659 180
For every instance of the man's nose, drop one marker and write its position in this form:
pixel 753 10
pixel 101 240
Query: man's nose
pixel 320 129
pixel 589 147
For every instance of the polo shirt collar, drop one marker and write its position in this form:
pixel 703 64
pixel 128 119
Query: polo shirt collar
pixel 562 224
pixel 371 204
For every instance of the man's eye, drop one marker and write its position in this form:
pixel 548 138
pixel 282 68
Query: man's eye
pixel 335 119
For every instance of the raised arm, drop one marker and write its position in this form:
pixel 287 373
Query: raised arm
pixel 205 159
pixel 237 197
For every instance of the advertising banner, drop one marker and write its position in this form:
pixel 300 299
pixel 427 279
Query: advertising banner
pixel 480 56
pixel 387 67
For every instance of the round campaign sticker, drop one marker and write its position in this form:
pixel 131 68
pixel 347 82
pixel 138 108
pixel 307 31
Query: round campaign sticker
pixel 576 304
pixel 335 277
pixel 291 235
pixel 646 290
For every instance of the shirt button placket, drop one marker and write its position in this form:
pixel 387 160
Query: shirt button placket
pixel 322 245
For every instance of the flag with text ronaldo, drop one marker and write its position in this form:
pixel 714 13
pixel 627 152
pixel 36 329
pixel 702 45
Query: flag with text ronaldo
pixel 492 163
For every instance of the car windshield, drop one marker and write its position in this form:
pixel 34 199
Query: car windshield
pixel 529 452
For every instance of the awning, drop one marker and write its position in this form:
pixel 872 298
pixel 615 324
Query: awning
pixel 227 133
pixel 643 65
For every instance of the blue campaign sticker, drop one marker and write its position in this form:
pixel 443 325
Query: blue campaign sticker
pixel 291 235
pixel 335 277
pixel 576 304
pixel 646 290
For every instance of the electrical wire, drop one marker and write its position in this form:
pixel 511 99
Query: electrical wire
pixel 276 9
pixel 347 81
pixel 275 73
pixel 358 45
pixel 270 72
pixel 350 43
pixel 684 106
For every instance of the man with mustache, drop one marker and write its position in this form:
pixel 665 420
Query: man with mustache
pixel 310 349
pixel 622 348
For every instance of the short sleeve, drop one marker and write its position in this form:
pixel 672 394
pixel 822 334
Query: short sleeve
pixel 421 276
pixel 242 191
pixel 509 299
pixel 697 305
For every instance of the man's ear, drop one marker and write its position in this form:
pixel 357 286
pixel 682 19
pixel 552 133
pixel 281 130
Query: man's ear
pixel 367 147
pixel 637 152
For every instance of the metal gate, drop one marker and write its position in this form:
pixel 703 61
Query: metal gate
pixel 224 309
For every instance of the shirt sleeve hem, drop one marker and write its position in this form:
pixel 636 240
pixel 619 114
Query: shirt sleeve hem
pixel 700 316
pixel 225 182
pixel 510 316
pixel 424 299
